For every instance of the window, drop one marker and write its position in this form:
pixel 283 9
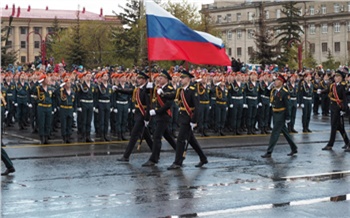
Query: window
pixel 23 44
pixel 250 34
pixel 239 51
pixel 250 15
pixel 323 9
pixel 229 51
pixel 312 47
pixel 337 47
pixel 324 28
pixel 312 10
pixel 23 30
pixel 23 59
pixel 239 34
pixel 336 8
pixel 278 13
pixel 312 29
pixel 324 47
pixel 36 44
pixel 49 29
pixel 229 34
pixel 238 16
pixel 267 15
pixel 229 18
pixel 218 19
pixel 9 44
pixel 250 50
pixel 337 27
pixel 37 30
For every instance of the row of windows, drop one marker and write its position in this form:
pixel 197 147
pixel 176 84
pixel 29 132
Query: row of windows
pixel 324 47
pixel 23 44
pixel 24 30
pixel 309 11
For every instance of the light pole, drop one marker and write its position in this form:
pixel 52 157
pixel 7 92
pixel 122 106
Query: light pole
pixel 300 51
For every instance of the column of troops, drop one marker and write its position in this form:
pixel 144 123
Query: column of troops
pixel 233 103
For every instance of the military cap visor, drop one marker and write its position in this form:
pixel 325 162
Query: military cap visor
pixel 184 73
pixel 165 74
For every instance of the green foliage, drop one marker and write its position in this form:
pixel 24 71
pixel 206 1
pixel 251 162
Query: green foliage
pixel 7 56
pixel 309 61
pixel 330 63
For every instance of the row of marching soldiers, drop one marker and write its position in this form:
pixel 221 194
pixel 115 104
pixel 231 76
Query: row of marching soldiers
pixel 233 103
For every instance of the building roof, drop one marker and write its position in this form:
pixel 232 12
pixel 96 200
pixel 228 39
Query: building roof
pixel 50 14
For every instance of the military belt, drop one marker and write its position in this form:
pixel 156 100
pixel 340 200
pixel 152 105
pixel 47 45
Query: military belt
pixel 221 102
pixel 86 101
pixel 204 102
pixel 103 101
pixel 184 109
pixel 66 107
pixel 252 97
pixel 307 98
pixel 44 105
pixel 293 99
pixel 21 96
pixel 333 99
pixel 213 98
pixel 264 96
pixel 122 102
pixel 9 94
pixel 278 109
pixel 137 106
pixel 33 96
pixel 237 97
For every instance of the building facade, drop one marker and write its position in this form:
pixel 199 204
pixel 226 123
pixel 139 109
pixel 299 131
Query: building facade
pixel 30 27
pixel 326 26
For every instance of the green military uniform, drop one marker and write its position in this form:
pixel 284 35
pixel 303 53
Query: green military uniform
pixel 33 107
pixel 220 108
pixel 45 110
pixel 21 100
pixel 237 98
pixel 293 104
pixel 67 105
pixel 306 93
pixel 325 101
pixel 103 99
pixel 279 99
pixel 10 99
pixel 203 110
pixel 122 105
pixel 264 107
pixel 251 91
pixel 316 96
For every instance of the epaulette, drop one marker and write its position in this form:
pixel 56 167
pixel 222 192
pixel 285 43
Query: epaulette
pixel 285 89
pixel 192 88
pixel 343 83
pixel 170 87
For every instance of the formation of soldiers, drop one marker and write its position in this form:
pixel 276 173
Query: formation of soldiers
pixel 229 102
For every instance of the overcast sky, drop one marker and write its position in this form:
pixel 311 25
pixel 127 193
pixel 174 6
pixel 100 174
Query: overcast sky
pixel 90 5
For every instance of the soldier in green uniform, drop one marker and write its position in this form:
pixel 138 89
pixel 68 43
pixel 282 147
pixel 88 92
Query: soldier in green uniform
pixel 306 97
pixel 251 92
pixel 204 104
pixel 10 98
pixel 316 95
pixel 85 104
pixel 292 88
pixel 264 103
pixel 103 100
pixel 237 99
pixel 21 100
pixel 33 103
pixel 67 105
pixel 279 99
pixel 221 107
pixel 324 90
pixel 45 107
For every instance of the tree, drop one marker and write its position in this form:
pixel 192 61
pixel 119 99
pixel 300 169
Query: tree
pixel 7 57
pixel 289 24
pixel 309 60
pixel 54 37
pixel 266 52
pixel 330 63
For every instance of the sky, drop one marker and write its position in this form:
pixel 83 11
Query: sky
pixel 90 5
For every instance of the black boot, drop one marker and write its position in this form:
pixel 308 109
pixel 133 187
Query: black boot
pixel 68 139
pixel 119 136
pixel 122 136
pixel 234 132
pixel 262 130
pixel 221 133
pixel 64 139
pixel 249 132
pixel 267 130
pixel 106 138
pixel 46 140
pixel 42 141
pixel 88 138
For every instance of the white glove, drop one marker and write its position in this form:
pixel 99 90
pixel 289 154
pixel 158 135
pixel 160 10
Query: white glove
pixel 319 91
pixel 74 114
pixel 342 113
pixel 217 84
pixel 111 110
pixel 209 107
pixel 271 85
pixel 245 106
pixel 287 122
pixel 133 111
pixel 114 87
pixel 16 104
pixel 270 104
pixel 146 123
pixel 96 110
pixel 160 91
pixel 30 105
pixel 152 112
pixel 302 105
pixel 149 85
pixel 260 104
pixel 226 108
pixel 193 125
pixel 115 110
pixel 298 105
pixel 198 80
pixel 231 105
pixel 128 110
pixel 55 110
pixel 348 105
pixel 62 84
pixel 312 105
pixel 6 112
pixel 79 109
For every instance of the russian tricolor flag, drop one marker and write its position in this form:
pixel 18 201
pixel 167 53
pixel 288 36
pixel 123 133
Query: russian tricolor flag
pixel 170 39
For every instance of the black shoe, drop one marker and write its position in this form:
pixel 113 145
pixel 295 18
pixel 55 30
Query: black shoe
pixel 8 171
pixel 88 139
pixel 205 134
pixel 345 146
pixel 201 163
pixel 292 153
pixel 106 138
pixel 347 150
pixel 308 130
pixel 267 155
pixel 46 140
pixel 267 130
pixel 305 130
pixel 42 140
pixel 221 133
pixel 2 144
pixel 64 139
pixel 174 167
pixel 149 164
pixel 119 136
pixel 123 138
pixel 294 131
pixel 123 159
pixel 35 131
pixel 68 139
pixel 327 148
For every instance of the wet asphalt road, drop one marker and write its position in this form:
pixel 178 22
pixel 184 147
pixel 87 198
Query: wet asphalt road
pixel 83 180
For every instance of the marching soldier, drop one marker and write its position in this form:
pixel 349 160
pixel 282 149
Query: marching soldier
pixel 67 105
pixel 324 91
pixel 188 100
pixel 163 95
pixel 45 107
pixel 142 106
pixel 306 93
pixel 251 90
pixel 292 88
pixel 21 100
pixel 279 99
pixel 85 105
pixel 104 97
pixel 337 95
